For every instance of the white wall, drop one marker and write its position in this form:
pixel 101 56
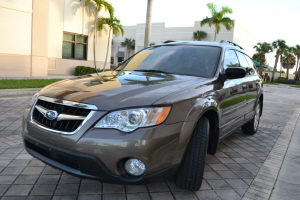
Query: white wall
pixel 55 30
pixel 243 37
pixel 15 27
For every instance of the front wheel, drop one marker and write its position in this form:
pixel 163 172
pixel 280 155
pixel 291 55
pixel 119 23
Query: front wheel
pixel 250 128
pixel 190 173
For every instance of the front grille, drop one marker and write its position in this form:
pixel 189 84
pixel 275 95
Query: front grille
pixel 63 125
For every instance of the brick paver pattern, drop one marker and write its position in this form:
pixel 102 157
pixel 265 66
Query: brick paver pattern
pixel 228 174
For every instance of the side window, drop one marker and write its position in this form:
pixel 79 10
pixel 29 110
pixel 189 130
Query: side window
pixel 230 59
pixel 251 64
pixel 244 63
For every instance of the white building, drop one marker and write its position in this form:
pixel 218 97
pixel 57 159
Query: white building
pixel 47 37
pixel 160 33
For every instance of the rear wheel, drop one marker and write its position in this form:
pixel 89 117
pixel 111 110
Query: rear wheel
pixel 190 173
pixel 250 128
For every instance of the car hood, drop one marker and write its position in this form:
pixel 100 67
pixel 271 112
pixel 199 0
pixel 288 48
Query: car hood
pixel 119 89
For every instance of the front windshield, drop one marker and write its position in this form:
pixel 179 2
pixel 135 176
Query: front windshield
pixel 186 60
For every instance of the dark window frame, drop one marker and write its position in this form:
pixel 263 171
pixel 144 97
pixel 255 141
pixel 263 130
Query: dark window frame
pixel 75 35
pixel 252 71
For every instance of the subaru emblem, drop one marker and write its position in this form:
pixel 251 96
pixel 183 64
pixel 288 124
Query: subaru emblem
pixel 51 114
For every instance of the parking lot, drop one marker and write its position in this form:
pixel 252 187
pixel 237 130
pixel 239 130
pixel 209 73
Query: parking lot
pixel 243 167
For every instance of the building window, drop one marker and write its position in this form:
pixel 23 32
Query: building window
pixel 74 46
pixel 112 60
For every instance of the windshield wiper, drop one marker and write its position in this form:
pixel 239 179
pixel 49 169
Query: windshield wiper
pixel 151 70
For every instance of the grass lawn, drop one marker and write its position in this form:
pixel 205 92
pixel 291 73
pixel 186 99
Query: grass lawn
pixel 296 86
pixel 25 83
pixel 269 83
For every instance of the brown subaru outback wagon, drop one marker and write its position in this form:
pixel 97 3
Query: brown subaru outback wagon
pixel 158 114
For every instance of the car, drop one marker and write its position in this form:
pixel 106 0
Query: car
pixel 158 114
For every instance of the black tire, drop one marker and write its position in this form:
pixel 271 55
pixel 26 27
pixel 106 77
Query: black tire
pixel 250 128
pixel 190 173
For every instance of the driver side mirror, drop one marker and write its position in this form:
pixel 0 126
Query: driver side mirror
pixel 235 72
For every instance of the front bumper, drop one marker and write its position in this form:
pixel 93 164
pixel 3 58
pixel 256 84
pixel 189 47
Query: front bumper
pixel 87 166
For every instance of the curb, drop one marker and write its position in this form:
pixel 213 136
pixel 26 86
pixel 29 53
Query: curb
pixel 18 92
pixel 264 182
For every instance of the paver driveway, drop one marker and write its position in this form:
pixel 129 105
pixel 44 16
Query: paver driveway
pixel 227 175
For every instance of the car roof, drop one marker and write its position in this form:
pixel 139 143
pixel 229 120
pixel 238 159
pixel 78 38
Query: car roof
pixel 222 44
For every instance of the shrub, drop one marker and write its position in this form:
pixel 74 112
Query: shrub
pixel 268 79
pixel 297 82
pixel 84 70
pixel 280 79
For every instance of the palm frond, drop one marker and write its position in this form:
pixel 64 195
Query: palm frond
pixel 228 23
pixel 212 8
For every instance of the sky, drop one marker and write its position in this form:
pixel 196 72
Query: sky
pixel 267 20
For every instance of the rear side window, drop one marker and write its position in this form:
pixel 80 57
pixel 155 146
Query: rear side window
pixel 251 64
pixel 244 63
pixel 186 60
pixel 230 59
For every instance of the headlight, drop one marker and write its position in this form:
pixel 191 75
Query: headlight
pixel 131 119
pixel 34 98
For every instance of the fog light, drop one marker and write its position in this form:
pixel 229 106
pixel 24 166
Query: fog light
pixel 135 167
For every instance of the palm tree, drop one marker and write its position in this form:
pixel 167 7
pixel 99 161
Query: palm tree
pixel 217 18
pixel 148 23
pixel 263 49
pixel 198 35
pixel 129 44
pixel 296 51
pixel 114 26
pixel 98 5
pixel 288 60
pixel 279 46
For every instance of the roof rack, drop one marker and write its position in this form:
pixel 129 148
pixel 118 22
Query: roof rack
pixel 169 41
pixel 230 42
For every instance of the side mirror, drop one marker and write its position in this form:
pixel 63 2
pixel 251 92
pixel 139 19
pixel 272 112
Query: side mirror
pixel 235 72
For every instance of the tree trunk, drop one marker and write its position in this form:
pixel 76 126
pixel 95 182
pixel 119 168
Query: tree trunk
pixel 148 24
pixel 94 47
pixel 298 76
pixel 107 49
pixel 260 68
pixel 215 35
pixel 280 65
pixel 288 67
pixel 297 70
pixel 275 66
pixel 261 64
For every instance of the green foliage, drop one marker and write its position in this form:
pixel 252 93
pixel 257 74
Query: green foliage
pixel 25 83
pixel 83 70
pixel 128 43
pixel 268 79
pixel 151 44
pixel 269 83
pixel 236 100
pixel 218 17
pixel 113 23
pixel 99 4
pixel 280 79
pixel 199 35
